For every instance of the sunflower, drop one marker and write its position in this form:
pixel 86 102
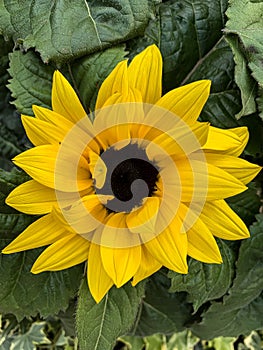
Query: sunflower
pixel 140 187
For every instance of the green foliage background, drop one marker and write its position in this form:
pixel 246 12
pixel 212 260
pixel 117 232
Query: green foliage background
pixel 208 39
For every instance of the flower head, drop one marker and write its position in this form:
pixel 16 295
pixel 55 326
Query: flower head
pixel 141 187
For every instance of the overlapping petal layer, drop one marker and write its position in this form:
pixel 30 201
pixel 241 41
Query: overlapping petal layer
pixel 194 168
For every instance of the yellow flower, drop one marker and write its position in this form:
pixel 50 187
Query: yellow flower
pixel 141 187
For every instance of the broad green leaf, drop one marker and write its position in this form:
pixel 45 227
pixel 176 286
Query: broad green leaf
pixel 99 325
pixel 185 31
pixel 158 316
pixel 132 342
pixel 248 282
pixel 6 47
pixel 219 321
pixel 254 147
pixel 9 217
pixel 11 133
pixel 60 31
pixel 224 100
pixel 21 292
pixel 31 81
pixel 189 29
pixel 89 73
pixel 29 340
pixel 155 342
pixel 223 343
pixel 8 143
pixel 182 341
pixel 242 308
pixel 245 20
pixel 246 204
pixel 25 294
pixel 178 341
pixel 243 78
pixel 67 318
pixel 205 282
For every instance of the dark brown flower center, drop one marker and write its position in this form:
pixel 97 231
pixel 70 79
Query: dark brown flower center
pixel 130 177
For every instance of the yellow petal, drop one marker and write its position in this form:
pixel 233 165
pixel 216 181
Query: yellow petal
pixel 97 168
pixel 44 231
pixel 98 280
pixel 64 253
pixel 145 74
pixel 169 248
pixel 112 123
pixel 201 181
pixel 64 99
pixel 122 263
pixel 179 141
pixel 144 218
pixel 148 266
pixel 82 132
pixel 187 101
pixel 116 82
pixel 42 133
pixel 201 243
pixel 51 117
pixel 132 106
pixel 230 141
pixel 33 198
pixel 87 214
pixel 222 221
pixel 115 233
pixel 237 167
pixel 41 163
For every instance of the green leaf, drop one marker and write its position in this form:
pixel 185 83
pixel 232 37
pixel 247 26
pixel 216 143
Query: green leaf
pixel 245 20
pixel 224 100
pixel 223 343
pixel 243 78
pixel 254 147
pixel 205 282
pixel 185 31
pixel 29 340
pixel 60 31
pixel 98 325
pixel 89 73
pixel 11 135
pixel 155 342
pixel 8 143
pixel 25 294
pixel 220 321
pixel 67 318
pixel 8 181
pixel 158 316
pixel 31 81
pixel 182 341
pixel 246 204
pixel 189 30
pixel 133 343
pixel 241 309
pixel 6 47
pixel 21 292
